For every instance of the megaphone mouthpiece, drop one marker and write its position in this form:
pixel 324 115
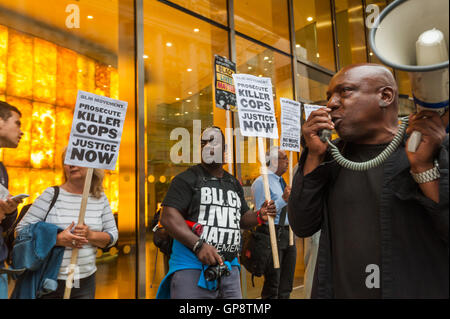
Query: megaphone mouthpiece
pixel 412 36
pixel 431 48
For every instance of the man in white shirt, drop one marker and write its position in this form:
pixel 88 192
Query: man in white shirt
pixel 277 282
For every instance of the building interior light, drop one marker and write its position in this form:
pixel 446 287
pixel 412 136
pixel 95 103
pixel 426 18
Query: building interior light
pixel 46 95
pixel 189 70
pixel 169 44
pixel 196 30
pixel 90 17
pixel 309 19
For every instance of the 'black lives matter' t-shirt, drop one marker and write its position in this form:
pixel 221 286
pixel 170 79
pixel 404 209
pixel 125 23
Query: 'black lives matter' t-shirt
pixel 220 205
pixel 354 202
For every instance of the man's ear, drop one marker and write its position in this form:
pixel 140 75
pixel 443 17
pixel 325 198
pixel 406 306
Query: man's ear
pixel 386 95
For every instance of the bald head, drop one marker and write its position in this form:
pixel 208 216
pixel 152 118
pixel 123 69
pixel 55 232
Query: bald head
pixel 378 75
pixel 364 102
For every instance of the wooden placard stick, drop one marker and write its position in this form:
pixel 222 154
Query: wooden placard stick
pixel 73 260
pixel 291 233
pixel 273 238
pixel 229 138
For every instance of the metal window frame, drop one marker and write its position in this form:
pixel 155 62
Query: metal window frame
pixel 141 168
pixel 141 156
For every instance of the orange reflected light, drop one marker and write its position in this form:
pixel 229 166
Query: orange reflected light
pixel 66 94
pixel 3 55
pixel 20 66
pixel 43 135
pixel 42 79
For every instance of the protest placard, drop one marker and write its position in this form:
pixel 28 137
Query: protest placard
pixel 96 131
pixel 224 92
pixel 225 98
pixel 256 110
pixel 310 108
pixel 257 118
pixel 290 137
pixel 290 125
pixel 94 142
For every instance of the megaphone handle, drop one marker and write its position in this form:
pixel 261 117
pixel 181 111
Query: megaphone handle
pixel 414 141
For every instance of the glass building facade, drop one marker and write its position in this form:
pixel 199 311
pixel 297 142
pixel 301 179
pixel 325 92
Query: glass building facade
pixel 158 56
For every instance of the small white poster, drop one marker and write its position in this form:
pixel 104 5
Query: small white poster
pixel 290 125
pixel 310 108
pixel 96 131
pixel 255 106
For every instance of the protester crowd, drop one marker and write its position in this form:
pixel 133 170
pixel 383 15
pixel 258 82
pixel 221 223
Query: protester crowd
pixel 379 233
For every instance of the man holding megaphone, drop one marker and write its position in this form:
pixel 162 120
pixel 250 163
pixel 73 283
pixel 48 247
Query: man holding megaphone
pixel 384 230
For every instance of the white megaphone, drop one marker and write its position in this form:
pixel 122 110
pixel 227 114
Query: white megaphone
pixel 412 35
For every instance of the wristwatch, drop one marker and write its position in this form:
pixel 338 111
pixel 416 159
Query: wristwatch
pixel 427 176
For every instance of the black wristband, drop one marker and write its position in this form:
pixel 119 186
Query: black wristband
pixel 198 245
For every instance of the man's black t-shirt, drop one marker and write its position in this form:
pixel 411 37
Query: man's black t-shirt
pixel 219 206
pixel 355 226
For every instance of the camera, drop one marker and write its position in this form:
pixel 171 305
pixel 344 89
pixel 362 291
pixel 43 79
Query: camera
pixel 217 271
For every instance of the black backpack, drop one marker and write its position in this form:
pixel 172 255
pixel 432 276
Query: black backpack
pixel 9 236
pixel 161 237
pixel 256 249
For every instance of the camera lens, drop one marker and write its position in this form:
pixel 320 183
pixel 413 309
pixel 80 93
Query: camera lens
pixel 211 273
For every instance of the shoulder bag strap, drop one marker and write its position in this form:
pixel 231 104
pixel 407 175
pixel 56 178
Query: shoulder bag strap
pixel 55 197
pixel 199 180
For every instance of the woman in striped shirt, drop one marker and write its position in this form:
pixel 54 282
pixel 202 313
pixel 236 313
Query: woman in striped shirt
pixel 99 228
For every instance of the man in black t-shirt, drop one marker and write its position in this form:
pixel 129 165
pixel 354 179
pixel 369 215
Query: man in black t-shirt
pixel 208 195
pixel 10 135
pixel 384 231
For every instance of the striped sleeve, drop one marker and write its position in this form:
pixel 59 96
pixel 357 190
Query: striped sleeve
pixel 38 209
pixel 108 222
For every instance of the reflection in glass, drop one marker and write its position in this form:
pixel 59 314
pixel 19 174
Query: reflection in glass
pixel 66 73
pixel 215 10
pixel 3 57
pixel 312 84
pixel 179 101
pixel 264 20
pixel 260 61
pixel 44 73
pixel 43 63
pixel 20 71
pixel 372 7
pixel 43 135
pixel 350 32
pixel 313 32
